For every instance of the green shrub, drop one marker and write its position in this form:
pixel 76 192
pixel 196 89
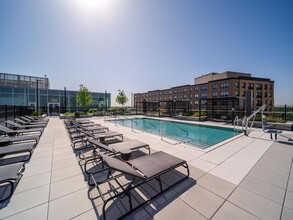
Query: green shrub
pixel 92 111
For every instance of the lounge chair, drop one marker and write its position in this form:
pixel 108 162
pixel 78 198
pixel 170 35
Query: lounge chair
pixel 268 129
pixel 18 139
pixel 35 118
pixel 9 175
pixel 112 149
pixel 10 132
pixel 138 172
pixel 14 125
pixel 22 122
pixel 32 121
pixel 103 135
pixel 16 149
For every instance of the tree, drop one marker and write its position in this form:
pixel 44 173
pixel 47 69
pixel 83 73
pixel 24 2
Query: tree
pixel 83 97
pixel 121 97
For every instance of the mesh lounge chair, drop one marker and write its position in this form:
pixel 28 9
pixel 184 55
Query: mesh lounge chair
pixel 17 149
pixel 9 175
pixel 26 120
pixel 10 132
pixel 139 171
pixel 267 129
pixel 19 139
pixel 37 118
pixel 112 149
pixel 103 135
pixel 14 125
pixel 22 122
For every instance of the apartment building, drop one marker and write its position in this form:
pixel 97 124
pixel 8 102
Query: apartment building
pixel 216 85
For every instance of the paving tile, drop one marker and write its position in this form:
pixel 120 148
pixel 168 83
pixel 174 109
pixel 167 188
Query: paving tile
pixel 255 204
pixel 290 185
pixel 27 183
pixel 269 177
pixel 89 215
pixel 36 170
pixel 202 200
pixel 202 164
pixel 264 189
pixel 69 206
pixel 231 212
pixel 65 173
pixel 63 156
pixel 25 200
pixel 39 161
pixel 217 185
pixel 38 212
pixel 175 210
pixel 287 214
pixel 232 176
pixel 184 156
pixel 289 200
pixel 64 163
pixel 277 168
pixel 66 186
pixel 196 173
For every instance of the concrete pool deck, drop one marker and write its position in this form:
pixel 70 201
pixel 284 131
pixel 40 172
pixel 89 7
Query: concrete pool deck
pixel 246 178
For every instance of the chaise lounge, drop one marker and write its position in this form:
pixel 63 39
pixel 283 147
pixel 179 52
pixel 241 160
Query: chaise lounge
pixel 138 172
pixel 9 175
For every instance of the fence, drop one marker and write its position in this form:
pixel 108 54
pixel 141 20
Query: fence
pixel 281 114
pixel 8 112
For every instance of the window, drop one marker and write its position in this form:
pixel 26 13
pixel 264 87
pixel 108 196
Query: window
pixel 215 94
pixel 215 86
pixel 250 86
pixel 195 95
pixel 185 96
pixel 243 94
pixel 236 93
pixel 196 88
pixel 243 85
pixel 224 93
pixel 266 86
pixel 185 90
pixel 204 95
pixel 224 85
pixel 203 102
pixel 237 84
pixel 204 88
pixel 196 102
pixel 259 86
pixel 258 94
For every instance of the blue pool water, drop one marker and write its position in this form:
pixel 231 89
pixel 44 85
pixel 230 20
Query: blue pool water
pixel 199 135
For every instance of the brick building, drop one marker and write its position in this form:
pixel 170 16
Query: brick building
pixel 216 85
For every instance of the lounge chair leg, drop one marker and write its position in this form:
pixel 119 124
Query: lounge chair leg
pixel 276 136
pixel 271 136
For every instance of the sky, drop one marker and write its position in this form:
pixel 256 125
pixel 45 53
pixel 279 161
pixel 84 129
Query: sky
pixel 143 45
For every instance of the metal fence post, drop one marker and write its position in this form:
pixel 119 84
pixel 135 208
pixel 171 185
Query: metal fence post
pixel 285 113
pixel 6 113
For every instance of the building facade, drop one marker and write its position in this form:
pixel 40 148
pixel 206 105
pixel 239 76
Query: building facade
pixel 216 85
pixel 33 91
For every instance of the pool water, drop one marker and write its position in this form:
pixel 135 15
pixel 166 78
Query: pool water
pixel 202 136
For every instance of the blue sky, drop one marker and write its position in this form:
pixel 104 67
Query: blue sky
pixel 141 45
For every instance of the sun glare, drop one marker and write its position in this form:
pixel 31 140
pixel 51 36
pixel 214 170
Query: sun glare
pixel 91 7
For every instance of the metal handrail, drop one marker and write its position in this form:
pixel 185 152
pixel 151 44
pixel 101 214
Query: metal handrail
pixel 179 127
pixel 150 123
pixel 161 133
pixel 253 115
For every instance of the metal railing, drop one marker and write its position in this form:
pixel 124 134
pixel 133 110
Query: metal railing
pixel 252 116
pixel 172 123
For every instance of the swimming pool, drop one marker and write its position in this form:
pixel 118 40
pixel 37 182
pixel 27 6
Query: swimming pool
pixel 202 136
